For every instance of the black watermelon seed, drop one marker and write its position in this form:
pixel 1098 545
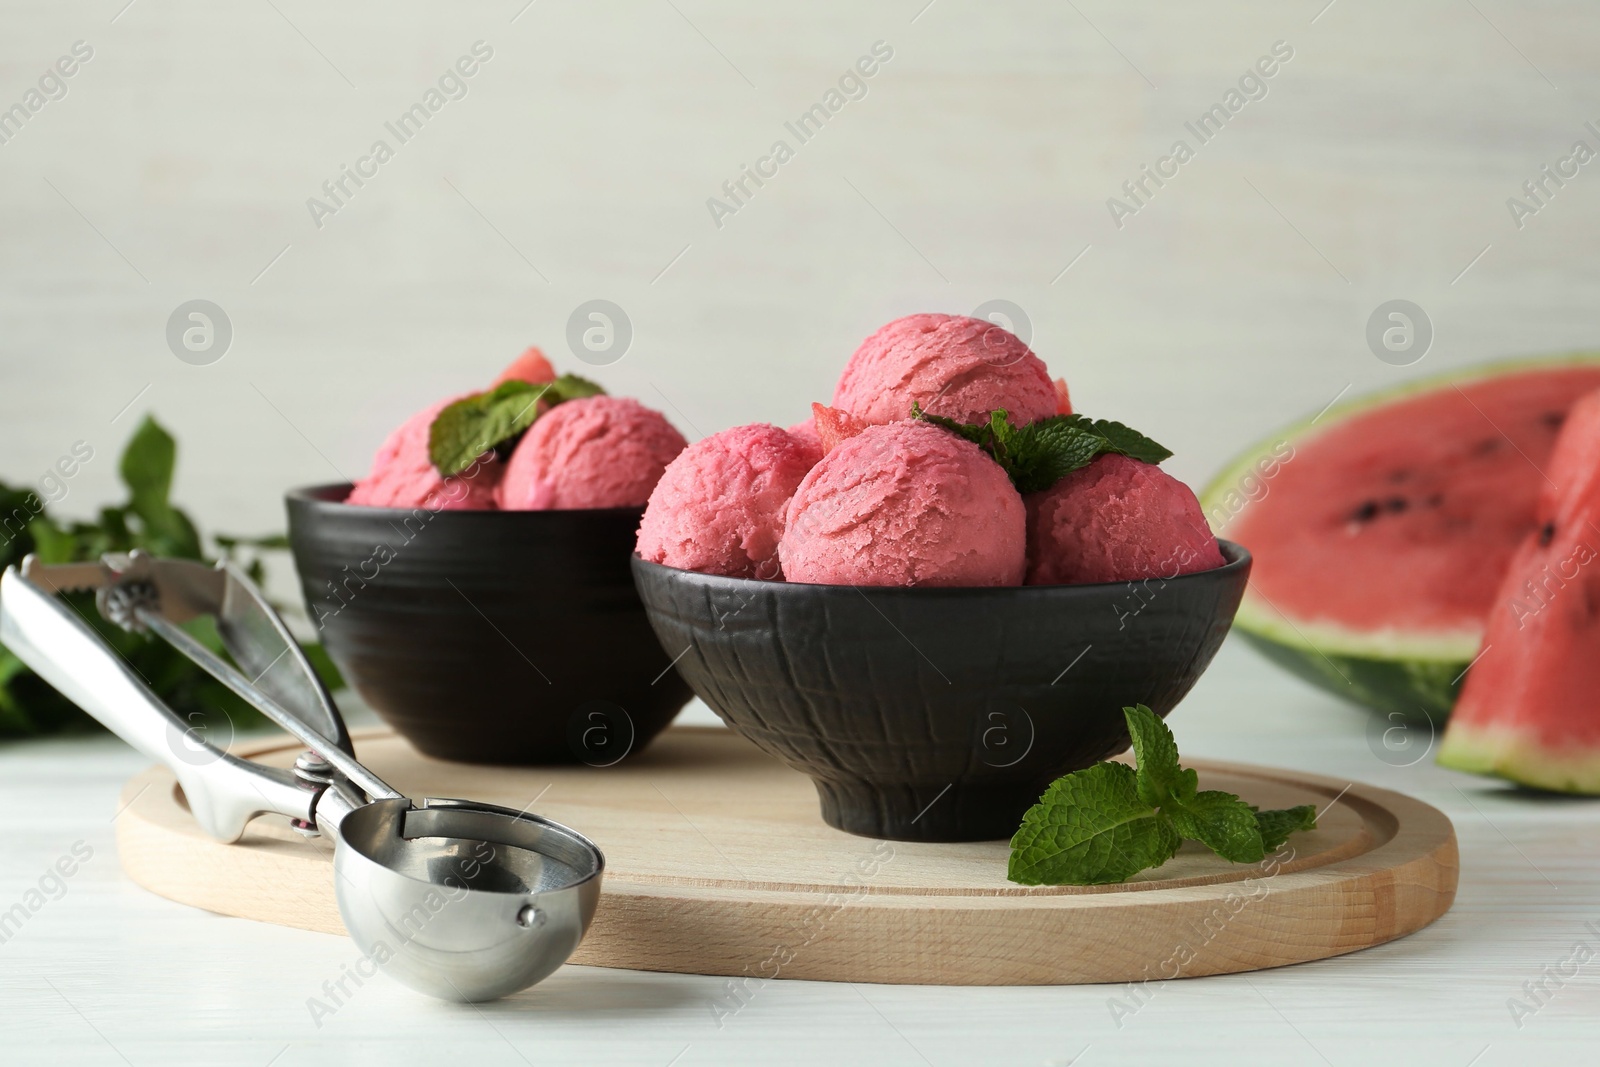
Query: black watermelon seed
pixel 1547 533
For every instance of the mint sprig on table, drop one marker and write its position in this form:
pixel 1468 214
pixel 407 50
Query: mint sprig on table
pixel 1040 454
pixel 149 520
pixel 473 425
pixel 1108 822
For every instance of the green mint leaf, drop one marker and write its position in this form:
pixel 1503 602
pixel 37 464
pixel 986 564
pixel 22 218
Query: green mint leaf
pixel 323 664
pixel 1120 438
pixel 1276 826
pixel 1110 821
pixel 1160 779
pixel 1090 828
pixel 146 468
pixel 1221 822
pixel 1040 454
pixel 1002 436
pixel 473 425
pixel 571 387
pixel 14 718
pixel 1045 452
pixel 979 435
pixel 51 543
pixel 229 542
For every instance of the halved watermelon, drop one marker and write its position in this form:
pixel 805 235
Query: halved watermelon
pixel 1381 527
pixel 1530 710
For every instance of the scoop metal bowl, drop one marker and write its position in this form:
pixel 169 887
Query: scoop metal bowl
pixel 459 900
pixel 467 901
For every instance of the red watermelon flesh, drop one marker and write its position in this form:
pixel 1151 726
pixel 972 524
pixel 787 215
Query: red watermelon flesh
pixel 1402 519
pixel 1530 709
pixel 835 426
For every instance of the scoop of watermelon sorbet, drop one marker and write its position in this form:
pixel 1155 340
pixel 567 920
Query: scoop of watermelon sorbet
pixel 1117 520
pixel 905 504
pixel 597 452
pixel 719 507
pixel 806 430
pixel 403 476
pixel 958 367
pixel 531 367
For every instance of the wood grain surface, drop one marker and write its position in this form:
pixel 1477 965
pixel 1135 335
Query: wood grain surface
pixel 719 864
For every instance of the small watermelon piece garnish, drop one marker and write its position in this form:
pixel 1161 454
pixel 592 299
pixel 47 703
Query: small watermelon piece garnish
pixel 531 366
pixel 835 426
pixel 1063 398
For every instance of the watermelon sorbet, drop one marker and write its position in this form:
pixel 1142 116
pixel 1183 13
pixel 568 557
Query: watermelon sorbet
pixel 404 477
pixel 959 367
pixel 598 452
pixel 865 493
pixel 905 504
pixel 1117 520
pixel 720 506
pixel 587 452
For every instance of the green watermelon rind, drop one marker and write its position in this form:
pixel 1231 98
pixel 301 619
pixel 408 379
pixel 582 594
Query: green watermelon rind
pixel 1388 671
pixel 1413 688
pixel 1512 754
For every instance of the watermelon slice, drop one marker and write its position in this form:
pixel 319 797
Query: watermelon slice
pixel 1381 527
pixel 1530 710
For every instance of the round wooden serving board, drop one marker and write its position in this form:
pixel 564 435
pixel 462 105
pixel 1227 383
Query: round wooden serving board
pixel 718 863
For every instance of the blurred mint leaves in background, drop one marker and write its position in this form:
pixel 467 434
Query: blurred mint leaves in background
pixel 147 520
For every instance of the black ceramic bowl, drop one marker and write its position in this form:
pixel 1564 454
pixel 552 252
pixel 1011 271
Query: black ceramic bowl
pixel 938 714
pixel 487 636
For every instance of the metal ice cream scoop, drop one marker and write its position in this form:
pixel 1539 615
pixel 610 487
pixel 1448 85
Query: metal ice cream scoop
pixel 459 900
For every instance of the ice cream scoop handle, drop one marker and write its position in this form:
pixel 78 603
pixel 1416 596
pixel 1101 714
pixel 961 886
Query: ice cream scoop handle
pixel 223 792
pixel 252 694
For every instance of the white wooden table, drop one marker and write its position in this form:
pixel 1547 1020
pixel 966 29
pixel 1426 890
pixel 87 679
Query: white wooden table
pixel 110 971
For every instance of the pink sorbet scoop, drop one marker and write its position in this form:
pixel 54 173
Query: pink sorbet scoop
pixel 598 452
pixel 404 477
pixel 958 367
pixel 806 430
pixel 1117 520
pixel 905 504
pixel 719 508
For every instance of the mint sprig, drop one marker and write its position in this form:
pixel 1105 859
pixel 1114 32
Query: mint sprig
pixel 1089 828
pixel 147 519
pixel 1039 454
pixel 471 426
pixel 1276 826
pixel 1108 822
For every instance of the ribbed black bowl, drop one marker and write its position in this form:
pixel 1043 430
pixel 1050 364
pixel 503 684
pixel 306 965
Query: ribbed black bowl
pixel 938 714
pixel 488 636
